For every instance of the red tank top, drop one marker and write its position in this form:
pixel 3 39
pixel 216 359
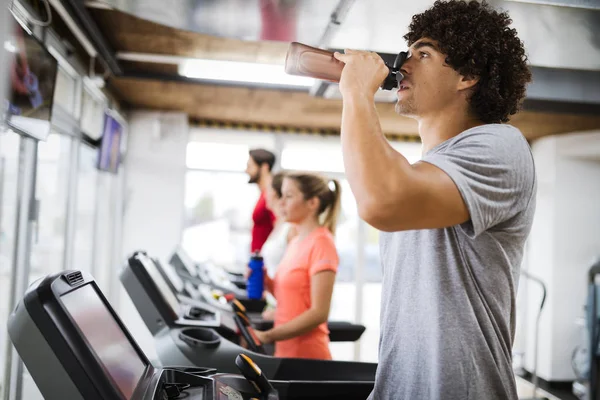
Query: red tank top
pixel 264 220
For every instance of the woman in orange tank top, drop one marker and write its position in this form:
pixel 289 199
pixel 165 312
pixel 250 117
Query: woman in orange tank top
pixel 303 283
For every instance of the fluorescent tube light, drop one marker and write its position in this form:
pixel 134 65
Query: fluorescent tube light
pixel 233 71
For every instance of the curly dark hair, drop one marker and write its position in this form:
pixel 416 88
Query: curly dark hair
pixel 478 42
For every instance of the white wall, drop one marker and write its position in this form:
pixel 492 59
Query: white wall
pixel 155 182
pixel 155 168
pixel 564 241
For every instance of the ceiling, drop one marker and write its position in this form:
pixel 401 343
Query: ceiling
pixel 555 36
pixel 252 20
pixel 149 38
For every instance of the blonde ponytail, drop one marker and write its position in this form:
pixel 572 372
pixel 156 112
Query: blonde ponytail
pixel 333 209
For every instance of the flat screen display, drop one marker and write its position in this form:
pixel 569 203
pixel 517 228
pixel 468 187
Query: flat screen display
pixel 171 275
pixel 109 157
pixel 187 261
pixel 32 71
pixel 107 340
pixel 162 285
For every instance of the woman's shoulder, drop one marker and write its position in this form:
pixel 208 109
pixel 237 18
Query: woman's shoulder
pixel 322 231
pixel 322 249
pixel 322 237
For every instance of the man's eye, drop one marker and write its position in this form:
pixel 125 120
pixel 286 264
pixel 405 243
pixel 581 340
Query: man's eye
pixel 423 54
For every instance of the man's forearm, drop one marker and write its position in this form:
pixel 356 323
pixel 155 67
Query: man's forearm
pixel 372 166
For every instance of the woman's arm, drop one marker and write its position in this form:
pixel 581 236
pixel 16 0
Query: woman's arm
pixel 321 290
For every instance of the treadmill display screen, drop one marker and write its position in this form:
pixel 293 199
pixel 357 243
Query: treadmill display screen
pixel 162 285
pixel 187 262
pixel 107 340
pixel 172 276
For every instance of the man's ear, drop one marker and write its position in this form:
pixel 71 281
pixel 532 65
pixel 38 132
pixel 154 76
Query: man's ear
pixel 467 82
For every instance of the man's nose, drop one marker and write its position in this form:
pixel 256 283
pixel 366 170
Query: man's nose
pixel 406 66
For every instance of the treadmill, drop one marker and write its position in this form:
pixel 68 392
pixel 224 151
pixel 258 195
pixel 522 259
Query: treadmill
pixel 202 279
pixel 76 348
pixel 178 343
pixel 206 281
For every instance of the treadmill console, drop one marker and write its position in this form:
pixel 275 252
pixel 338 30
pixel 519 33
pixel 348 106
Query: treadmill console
pixel 107 340
pixel 164 290
pixel 155 299
pixel 170 275
pixel 191 290
pixel 76 347
pixel 182 261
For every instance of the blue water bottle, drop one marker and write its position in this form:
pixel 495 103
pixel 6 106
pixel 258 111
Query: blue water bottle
pixel 256 281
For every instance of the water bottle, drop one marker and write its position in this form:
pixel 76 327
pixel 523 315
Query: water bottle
pixel 303 60
pixel 256 281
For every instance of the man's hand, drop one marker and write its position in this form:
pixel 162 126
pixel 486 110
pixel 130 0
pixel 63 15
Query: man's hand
pixel 363 73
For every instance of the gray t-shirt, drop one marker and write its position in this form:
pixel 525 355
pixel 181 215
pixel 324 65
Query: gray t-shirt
pixel 448 295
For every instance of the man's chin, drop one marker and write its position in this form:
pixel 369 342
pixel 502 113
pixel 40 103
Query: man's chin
pixel 402 109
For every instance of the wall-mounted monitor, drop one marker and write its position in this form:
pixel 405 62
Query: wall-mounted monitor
pixel 32 72
pixel 109 157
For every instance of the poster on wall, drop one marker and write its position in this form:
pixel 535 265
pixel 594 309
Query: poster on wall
pixel 109 157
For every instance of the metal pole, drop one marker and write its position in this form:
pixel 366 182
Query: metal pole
pixel 26 214
pixel 336 19
pixel 537 329
pixel 5 28
pixel 361 241
pixel 278 150
pixel 535 355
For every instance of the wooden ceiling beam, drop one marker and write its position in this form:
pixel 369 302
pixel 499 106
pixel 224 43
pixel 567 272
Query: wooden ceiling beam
pixel 127 33
pixel 299 109
pixel 247 105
